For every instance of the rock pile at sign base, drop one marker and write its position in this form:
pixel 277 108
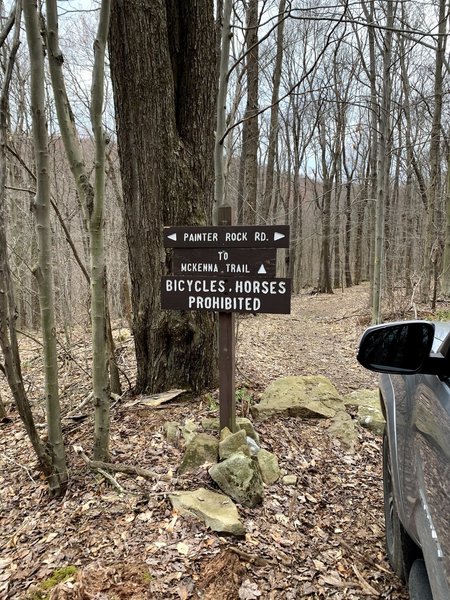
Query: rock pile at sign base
pixel 241 422
pixel 245 468
pixel 232 443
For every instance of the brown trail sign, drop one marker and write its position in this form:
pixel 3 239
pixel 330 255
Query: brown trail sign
pixel 233 236
pixel 227 294
pixel 227 269
pixel 255 262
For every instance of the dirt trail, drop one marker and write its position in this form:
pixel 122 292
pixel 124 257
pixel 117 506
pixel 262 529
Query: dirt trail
pixel 320 337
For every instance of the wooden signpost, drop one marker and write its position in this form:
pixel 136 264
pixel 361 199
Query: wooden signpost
pixel 228 269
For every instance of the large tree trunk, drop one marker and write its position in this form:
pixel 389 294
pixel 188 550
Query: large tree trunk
pixel 163 63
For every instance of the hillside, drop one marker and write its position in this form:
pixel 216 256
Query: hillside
pixel 322 538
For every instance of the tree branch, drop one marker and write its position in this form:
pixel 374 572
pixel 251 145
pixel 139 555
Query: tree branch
pixel 128 469
pixel 8 25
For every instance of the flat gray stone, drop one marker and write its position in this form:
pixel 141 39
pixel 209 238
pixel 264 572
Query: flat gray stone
pixel 310 396
pixel 216 510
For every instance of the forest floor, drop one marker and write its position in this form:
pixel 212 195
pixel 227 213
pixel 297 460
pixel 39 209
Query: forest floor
pixel 323 538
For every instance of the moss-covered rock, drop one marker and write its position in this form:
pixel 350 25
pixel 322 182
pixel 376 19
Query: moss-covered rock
pixel 172 431
pixel 342 427
pixel 225 432
pixel 290 480
pixel 189 430
pixel 240 478
pixel 42 591
pixel 268 465
pixel 369 414
pixel 203 449
pixel 235 442
pixel 311 396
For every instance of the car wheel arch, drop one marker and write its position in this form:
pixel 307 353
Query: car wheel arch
pixel 401 549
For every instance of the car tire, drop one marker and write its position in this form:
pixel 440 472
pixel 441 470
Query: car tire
pixel 418 582
pixel 401 550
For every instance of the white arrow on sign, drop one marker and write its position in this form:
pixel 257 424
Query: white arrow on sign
pixel 172 237
pixel 262 270
pixel 278 236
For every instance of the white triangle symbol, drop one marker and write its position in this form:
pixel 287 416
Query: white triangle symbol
pixel 278 236
pixel 172 237
pixel 262 270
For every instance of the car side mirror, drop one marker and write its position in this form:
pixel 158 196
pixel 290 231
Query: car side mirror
pixel 402 348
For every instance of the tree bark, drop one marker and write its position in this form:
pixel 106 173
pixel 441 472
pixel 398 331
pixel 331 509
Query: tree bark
pixel 219 179
pixel 44 271
pixel 273 131
pixel 337 238
pixel 100 383
pixel 163 63
pixel 325 285
pixel 251 115
pixel 8 313
pixel 382 166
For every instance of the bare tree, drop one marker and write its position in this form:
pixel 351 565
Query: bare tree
pixel 44 271
pixel 251 115
pixel 383 162
pixel 273 131
pixel 92 202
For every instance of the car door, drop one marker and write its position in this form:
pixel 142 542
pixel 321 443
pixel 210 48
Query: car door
pixel 426 474
pixel 418 421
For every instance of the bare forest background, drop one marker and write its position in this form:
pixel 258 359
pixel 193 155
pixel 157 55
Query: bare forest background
pixel 314 78
pixel 337 124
